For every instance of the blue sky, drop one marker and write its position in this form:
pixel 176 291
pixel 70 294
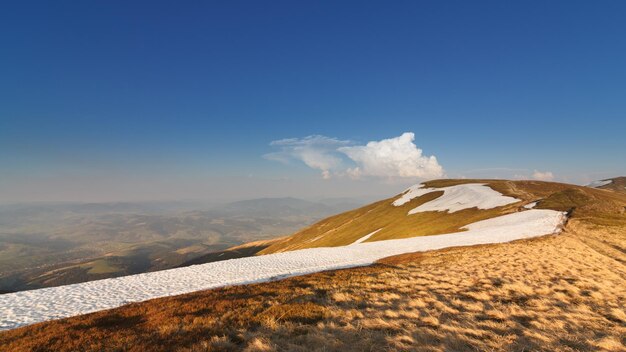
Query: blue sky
pixel 156 100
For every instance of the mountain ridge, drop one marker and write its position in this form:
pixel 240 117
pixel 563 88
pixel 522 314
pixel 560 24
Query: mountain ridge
pixel 395 222
pixel 616 184
pixel 549 292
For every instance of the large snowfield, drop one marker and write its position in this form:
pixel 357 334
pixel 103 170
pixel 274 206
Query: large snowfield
pixel 28 307
pixel 456 198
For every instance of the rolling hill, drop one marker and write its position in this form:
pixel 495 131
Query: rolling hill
pixel 563 292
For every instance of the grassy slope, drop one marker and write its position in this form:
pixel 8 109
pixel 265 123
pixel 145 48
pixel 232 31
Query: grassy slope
pixel 556 293
pixel 347 227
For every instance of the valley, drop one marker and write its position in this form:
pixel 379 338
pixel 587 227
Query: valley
pixel 48 245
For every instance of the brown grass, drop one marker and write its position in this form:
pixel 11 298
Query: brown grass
pixel 557 293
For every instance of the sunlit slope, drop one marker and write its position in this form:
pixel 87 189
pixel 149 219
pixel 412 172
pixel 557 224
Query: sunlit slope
pixel 385 221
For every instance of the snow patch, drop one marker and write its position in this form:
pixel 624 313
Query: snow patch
pixel 366 237
pixel 28 307
pixel 530 205
pixel 600 183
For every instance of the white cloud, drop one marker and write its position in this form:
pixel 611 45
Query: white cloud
pixel 543 176
pixel 317 152
pixel 389 158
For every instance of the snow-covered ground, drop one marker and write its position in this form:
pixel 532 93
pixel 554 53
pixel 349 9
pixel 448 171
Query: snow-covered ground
pixel 530 205
pixel 600 183
pixel 456 198
pixel 34 306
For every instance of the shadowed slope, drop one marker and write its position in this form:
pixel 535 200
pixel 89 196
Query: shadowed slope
pixel 241 251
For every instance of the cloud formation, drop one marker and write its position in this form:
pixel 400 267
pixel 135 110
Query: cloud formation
pixel 317 152
pixel 389 158
pixel 543 176
pixel 393 157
